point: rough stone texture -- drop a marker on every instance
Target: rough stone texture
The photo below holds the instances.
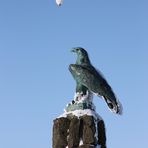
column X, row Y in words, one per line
column 74, row 135
column 102, row 134
column 89, row 130
column 70, row 130
column 60, row 132
column 86, row 146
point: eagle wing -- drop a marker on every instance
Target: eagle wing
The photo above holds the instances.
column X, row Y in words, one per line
column 88, row 76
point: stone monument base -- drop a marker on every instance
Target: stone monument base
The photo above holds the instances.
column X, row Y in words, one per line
column 83, row 131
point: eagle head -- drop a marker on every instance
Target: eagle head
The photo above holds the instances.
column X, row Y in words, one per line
column 82, row 55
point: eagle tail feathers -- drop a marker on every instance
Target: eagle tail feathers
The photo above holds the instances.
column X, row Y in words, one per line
column 115, row 107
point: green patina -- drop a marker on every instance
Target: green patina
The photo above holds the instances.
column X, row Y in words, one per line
column 89, row 79
column 79, row 106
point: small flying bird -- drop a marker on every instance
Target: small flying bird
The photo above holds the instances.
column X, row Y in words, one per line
column 89, row 79
column 59, row 2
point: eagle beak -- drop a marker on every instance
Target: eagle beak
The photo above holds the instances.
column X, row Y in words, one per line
column 73, row 50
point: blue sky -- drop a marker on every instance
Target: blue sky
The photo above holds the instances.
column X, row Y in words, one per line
column 35, row 85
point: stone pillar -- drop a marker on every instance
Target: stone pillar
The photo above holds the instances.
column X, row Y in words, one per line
column 79, row 132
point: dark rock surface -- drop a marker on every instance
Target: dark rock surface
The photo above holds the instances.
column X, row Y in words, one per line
column 89, row 130
column 71, row 130
column 102, row 134
column 86, row 146
column 60, row 133
column 74, row 135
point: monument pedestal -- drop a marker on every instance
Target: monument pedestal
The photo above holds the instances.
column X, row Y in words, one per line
column 85, row 131
column 79, row 126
